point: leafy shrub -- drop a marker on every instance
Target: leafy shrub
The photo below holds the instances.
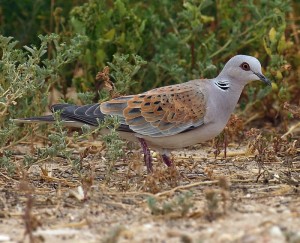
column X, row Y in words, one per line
column 26, row 76
column 146, row 45
column 180, row 41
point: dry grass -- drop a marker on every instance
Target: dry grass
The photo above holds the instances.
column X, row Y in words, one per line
column 201, row 199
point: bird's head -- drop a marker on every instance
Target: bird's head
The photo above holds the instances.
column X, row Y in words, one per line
column 243, row 69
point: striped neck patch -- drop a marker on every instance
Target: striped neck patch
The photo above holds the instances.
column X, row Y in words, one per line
column 223, row 85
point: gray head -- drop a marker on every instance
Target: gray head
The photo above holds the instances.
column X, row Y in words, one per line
column 242, row 69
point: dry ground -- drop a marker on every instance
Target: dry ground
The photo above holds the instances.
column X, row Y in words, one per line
column 202, row 199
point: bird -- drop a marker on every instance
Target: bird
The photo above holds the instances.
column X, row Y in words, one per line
column 170, row 117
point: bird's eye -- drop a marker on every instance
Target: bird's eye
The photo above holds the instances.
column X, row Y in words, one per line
column 245, row 66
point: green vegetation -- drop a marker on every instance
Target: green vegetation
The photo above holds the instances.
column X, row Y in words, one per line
column 145, row 45
column 180, row 204
column 83, row 185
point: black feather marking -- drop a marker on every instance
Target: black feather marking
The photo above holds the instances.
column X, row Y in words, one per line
column 137, row 102
column 159, row 108
column 224, row 85
column 134, row 111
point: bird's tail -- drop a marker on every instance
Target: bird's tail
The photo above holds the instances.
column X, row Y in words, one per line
column 37, row 119
column 48, row 119
column 71, row 115
column 75, row 116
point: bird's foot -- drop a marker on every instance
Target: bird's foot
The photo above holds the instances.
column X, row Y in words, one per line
column 147, row 155
column 167, row 160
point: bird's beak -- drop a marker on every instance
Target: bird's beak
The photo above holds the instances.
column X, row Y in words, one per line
column 263, row 78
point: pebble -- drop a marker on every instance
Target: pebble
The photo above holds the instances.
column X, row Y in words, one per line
column 4, row 238
column 276, row 234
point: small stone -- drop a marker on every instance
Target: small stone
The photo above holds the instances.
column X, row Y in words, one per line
column 210, row 231
column 276, row 234
column 4, row 238
column 272, row 210
column 276, row 231
column 34, row 170
column 225, row 238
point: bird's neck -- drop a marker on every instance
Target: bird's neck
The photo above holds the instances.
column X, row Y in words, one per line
column 226, row 83
column 229, row 94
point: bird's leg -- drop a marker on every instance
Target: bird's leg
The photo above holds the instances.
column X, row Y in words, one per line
column 147, row 155
column 166, row 160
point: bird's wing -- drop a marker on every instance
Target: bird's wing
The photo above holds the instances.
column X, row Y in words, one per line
column 161, row 112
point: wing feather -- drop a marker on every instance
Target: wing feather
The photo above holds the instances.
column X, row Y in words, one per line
column 161, row 112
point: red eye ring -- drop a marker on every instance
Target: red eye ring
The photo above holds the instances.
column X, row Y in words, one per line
column 245, row 66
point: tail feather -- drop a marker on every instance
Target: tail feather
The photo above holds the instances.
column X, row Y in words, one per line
column 48, row 118
column 74, row 116
column 87, row 114
column 71, row 115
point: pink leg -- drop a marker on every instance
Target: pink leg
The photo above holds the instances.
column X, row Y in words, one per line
column 167, row 160
column 147, row 155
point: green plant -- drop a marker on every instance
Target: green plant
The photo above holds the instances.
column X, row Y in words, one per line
column 217, row 199
column 24, row 20
column 177, row 39
column 26, row 76
column 181, row 204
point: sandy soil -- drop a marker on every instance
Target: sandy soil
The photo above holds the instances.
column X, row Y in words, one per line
column 201, row 199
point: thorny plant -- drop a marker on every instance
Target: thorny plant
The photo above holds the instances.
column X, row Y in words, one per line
column 270, row 150
column 286, row 150
column 217, row 199
column 161, row 176
column 31, row 221
column 259, row 144
column 232, row 130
